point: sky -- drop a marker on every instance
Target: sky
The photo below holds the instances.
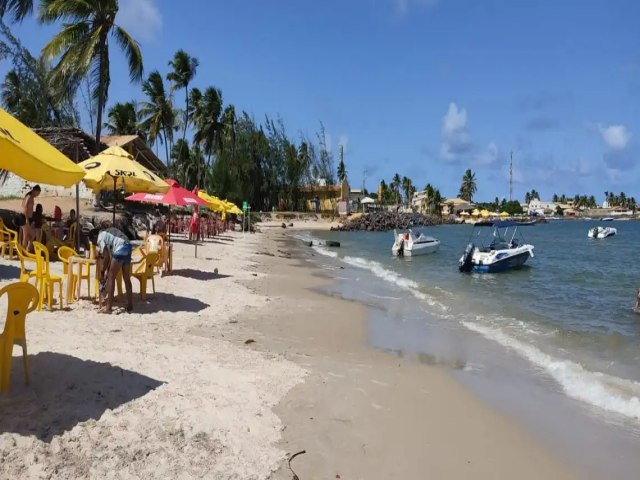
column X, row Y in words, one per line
column 424, row 88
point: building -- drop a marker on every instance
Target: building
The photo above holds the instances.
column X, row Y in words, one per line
column 538, row 207
column 418, row 200
column 453, row 206
column 326, row 198
column 355, row 197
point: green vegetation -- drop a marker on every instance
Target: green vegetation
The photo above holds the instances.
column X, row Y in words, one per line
column 468, row 187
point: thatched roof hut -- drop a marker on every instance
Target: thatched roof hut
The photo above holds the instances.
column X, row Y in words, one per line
column 66, row 139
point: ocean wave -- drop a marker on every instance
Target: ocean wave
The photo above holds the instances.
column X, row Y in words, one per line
column 392, row 277
column 598, row 389
column 325, row 252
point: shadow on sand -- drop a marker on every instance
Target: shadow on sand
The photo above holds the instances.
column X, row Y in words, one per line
column 9, row 272
column 167, row 302
column 65, row 391
column 197, row 274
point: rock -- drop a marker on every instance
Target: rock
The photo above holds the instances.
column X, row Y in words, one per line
column 284, row 225
column 388, row 220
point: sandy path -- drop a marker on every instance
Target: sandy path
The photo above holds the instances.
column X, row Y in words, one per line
column 156, row 394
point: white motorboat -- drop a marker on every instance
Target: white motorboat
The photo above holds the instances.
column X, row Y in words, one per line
column 410, row 244
column 503, row 252
column 601, row 232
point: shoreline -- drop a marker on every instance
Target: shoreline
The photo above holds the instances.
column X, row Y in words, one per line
column 363, row 413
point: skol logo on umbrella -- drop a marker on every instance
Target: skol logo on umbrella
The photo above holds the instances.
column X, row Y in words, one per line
column 123, row 173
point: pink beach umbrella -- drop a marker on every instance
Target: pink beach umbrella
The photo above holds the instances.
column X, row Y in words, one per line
column 176, row 195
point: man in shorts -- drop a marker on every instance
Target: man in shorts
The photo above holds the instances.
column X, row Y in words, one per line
column 114, row 248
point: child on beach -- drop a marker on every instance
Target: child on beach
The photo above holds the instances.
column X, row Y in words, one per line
column 114, row 248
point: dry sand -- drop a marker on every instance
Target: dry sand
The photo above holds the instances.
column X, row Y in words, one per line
column 156, row 394
column 173, row 391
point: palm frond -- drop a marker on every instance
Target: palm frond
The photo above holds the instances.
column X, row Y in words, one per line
column 17, row 9
column 132, row 52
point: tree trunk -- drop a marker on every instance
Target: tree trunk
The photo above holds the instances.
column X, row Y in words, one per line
column 186, row 119
column 102, row 89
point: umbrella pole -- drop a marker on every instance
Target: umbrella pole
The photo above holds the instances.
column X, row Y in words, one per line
column 76, row 241
column 114, row 201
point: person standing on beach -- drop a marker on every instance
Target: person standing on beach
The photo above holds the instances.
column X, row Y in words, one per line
column 114, row 248
column 27, row 212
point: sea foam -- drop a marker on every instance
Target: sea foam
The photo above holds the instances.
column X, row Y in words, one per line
column 390, row 276
column 598, row 389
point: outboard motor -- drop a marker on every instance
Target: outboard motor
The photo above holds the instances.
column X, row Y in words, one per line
column 401, row 246
column 467, row 259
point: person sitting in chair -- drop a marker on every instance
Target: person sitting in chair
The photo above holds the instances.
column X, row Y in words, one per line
column 114, row 248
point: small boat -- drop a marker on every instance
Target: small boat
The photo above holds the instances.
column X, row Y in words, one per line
column 526, row 223
column 607, row 219
column 601, row 232
column 408, row 244
column 501, row 251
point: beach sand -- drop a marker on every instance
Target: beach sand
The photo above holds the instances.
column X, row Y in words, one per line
column 174, row 390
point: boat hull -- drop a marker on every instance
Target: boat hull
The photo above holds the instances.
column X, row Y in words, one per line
column 418, row 249
column 602, row 233
column 508, row 263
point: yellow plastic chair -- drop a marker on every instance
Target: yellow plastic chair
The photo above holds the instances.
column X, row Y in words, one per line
column 25, row 259
column 145, row 272
column 22, row 299
column 44, row 280
column 64, row 253
column 155, row 243
column 8, row 241
column 71, row 238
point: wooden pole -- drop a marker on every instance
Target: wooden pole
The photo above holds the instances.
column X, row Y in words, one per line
column 77, row 239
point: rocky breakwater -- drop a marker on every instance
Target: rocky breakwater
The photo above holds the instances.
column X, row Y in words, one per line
column 386, row 221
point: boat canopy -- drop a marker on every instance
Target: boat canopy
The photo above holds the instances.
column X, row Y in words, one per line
column 497, row 224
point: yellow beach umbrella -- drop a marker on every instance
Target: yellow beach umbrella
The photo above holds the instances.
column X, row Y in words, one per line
column 114, row 169
column 504, row 214
column 213, row 202
column 29, row 156
column 235, row 210
column 475, row 212
column 485, row 213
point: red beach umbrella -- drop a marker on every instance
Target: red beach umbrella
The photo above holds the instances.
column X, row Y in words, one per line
column 176, row 195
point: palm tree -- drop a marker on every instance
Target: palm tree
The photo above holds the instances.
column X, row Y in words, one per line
column 122, row 119
column 342, row 171
column 407, row 188
column 157, row 115
column 468, row 187
column 19, row 9
column 396, row 182
column 184, row 69
column 206, row 110
column 82, row 46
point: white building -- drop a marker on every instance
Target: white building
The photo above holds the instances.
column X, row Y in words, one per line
column 539, row 207
column 453, row 206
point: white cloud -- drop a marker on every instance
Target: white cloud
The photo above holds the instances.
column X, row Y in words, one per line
column 489, row 157
column 141, row 18
column 616, row 137
column 456, row 140
column 402, row 6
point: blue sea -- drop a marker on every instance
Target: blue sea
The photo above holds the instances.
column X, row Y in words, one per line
column 559, row 334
